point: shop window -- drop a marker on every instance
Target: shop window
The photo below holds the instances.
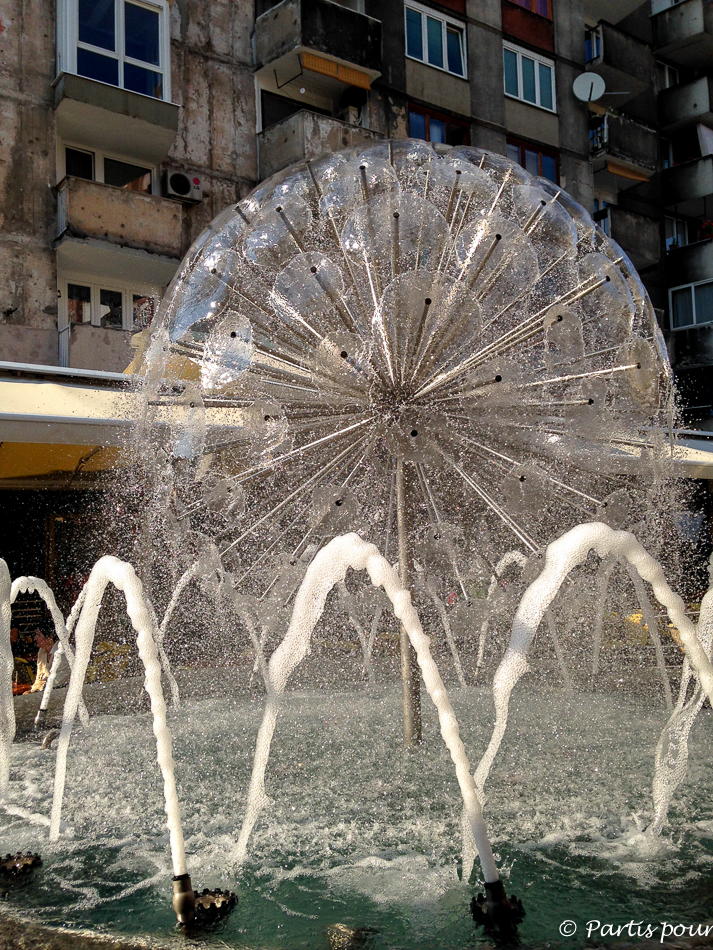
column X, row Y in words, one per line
column 96, row 166
column 122, row 43
column 435, row 127
column 537, row 161
column 529, row 77
column 540, row 7
column 435, row 39
column 691, row 305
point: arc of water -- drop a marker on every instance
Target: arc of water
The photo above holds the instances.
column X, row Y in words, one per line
column 511, row 557
column 350, row 607
column 672, row 748
column 561, row 557
column 329, row 567
column 122, row 575
column 443, row 614
column 22, row 585
column 651, row 621
column 7, row 706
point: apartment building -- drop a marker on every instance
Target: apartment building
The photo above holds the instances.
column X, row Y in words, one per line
column 127, row 125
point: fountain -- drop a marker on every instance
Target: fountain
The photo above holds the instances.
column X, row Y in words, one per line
column 421, row 363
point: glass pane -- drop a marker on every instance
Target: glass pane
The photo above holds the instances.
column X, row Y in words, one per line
column 438, row 131
column 96, row 23
column 417, row 125
column 144, row 308
column 549, row 168
column 141, row 33
column 513, row 152
column 542, row 7
column 434, row 34
column 704, row 303
column 110, row 309
column 528, row 79
column 546, row 98
column 682, row 308
column 79, row 164
column 532, row 161
column 145, row 81
column 95, row 66
column 454, row 45
column 123, row 175
column 414, row 37
column 510, row 65
column 79, row 303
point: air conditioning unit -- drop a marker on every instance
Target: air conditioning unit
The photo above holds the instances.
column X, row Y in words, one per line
column 182, row 186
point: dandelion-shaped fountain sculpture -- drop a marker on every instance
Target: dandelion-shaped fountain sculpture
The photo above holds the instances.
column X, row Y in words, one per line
column 420, row 342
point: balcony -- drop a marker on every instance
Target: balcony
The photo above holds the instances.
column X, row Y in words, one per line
column 624, row 63
column 623, row 152
column 638, row 235
column 690, row 264
column 685, row 105
column 306, row 135
column 114, row 120
column 688, row 185
column 684, row 33
column 342, row 35
column 91, row 209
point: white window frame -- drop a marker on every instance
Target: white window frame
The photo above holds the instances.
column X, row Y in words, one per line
column 96, row 284
column 688, row 326
column 99, row 157
column 676, row 224
column 445, row 21
column 68, row 42
column 520, row 51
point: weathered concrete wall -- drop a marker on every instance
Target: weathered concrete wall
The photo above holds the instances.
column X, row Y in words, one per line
column 98, row 348
column 28, row 288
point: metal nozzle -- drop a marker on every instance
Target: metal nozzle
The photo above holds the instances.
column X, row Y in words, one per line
column 40, row 718
column 184, row 900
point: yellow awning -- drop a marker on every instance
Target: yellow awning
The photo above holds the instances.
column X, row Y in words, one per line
column 352, row 77
column 623, row 172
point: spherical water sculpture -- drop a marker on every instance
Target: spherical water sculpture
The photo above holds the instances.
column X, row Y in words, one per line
column 415, row 341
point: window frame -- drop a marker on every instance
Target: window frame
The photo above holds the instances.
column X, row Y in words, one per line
column 692, row 286
column 96, row 285
column 521, row 51
column 540, row 149
column 445, row 21
column 441, row 117
column 98, row 161
column 677, row 222
column 68, row 43
column 531, row 4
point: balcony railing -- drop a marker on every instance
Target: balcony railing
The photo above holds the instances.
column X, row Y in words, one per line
column 687, row 104
column 619, row 140
column 343, row 34
column 683, row 33
column 90, row 209
column 625, row 63
column 638, row 235
column 688, row 183
column 690, row 264
column 306, row 135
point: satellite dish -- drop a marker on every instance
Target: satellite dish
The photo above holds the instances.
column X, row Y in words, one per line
column 589, row 87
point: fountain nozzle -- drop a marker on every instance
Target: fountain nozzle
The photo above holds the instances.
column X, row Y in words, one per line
column 196, row 911
column 495, row 912
column 184, row 900
column 40, row 718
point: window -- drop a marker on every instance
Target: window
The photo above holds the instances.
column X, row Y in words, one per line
column 529, row 77
column 593, row 44
column 435, row 39
column 601, row 215
column 119, row 42
column 540, row 7
column 536, row 160
column 108, row 306
column 435, row 127
column 667, row 75
column 691, row 305
column 95, row 166
column 597, row 133
column 676, row 233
